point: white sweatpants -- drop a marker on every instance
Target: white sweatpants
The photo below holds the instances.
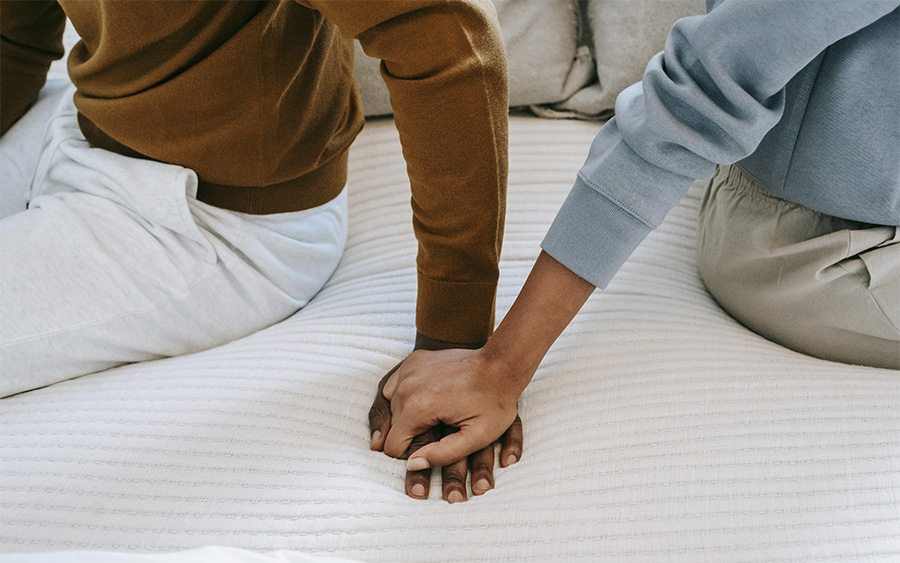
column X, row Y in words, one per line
column 114, row 261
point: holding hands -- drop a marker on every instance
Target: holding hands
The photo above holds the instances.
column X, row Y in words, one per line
column 459, row 388
column 439, row 406
column 447, row 409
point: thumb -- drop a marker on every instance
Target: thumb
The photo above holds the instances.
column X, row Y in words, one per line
column 448, row 450
column 390, row 383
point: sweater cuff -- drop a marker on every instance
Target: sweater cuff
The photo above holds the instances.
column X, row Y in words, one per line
column 592, row 236
column 461, row 312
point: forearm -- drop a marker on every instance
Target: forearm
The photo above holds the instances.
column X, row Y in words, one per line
column 445, row 67
column 709, row 98
column 549, row 300
column 454, row 132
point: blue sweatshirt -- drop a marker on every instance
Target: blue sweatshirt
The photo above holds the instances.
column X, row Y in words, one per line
column 804, row 95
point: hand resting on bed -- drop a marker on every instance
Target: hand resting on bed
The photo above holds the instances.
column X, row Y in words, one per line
column 475, row 392
column 453, row 475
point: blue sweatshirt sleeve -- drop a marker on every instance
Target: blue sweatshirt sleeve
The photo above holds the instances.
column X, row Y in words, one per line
column 709, row 98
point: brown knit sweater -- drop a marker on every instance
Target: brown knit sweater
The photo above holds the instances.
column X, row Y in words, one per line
column 258, row 99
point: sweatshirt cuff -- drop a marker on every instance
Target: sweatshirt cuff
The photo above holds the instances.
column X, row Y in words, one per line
column 592, row 236
column 461, row 312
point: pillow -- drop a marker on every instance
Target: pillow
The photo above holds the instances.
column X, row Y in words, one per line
column 625, row 35
column 546, row 64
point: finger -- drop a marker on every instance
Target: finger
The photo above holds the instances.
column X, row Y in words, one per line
column 388, row 383
column 453, row 481
column 430, row 436
column 406, row 425
column 453, row 476
column 511, row 444
column 448, row 451
column 380, row 416
column 418, row 483
column 482, row 465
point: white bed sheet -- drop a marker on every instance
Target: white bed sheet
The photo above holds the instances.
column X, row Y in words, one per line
column 657, row 427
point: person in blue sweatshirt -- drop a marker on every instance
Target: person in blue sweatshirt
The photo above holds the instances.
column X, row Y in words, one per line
column 793, row 109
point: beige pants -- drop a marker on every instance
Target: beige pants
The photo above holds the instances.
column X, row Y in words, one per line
column 820, row 285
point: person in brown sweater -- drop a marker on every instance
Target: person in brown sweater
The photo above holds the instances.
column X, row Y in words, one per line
column 258, row 101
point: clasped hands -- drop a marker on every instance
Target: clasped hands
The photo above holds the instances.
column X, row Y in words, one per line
column 446, row 409
column 438, row 407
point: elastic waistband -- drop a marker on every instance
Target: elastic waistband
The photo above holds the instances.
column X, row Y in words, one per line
column 312, row 189
column 734, row 176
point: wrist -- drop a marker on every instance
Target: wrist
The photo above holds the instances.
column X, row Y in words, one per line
column 550, row 298
column 513, row 367
column 425, row 343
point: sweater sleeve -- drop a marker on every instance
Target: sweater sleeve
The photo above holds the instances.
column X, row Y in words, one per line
column 445, row 67
column 709, row 98
column 30, row 39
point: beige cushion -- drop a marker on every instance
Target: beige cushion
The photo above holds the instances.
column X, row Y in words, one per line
column 542, row 43
column 626, row 34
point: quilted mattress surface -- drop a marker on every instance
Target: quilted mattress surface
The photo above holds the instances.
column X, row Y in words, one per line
column 657, row 428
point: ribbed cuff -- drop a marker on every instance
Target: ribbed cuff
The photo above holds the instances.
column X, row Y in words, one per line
column 461, row 312
column 592, row 236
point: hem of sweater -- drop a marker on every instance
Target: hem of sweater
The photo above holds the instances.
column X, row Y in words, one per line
column 460, row 312
column 316, row 187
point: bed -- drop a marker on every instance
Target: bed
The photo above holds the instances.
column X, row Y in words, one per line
column 656, row 429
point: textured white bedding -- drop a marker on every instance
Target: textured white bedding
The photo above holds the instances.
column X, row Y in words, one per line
column 656, row 429
column 211, row 554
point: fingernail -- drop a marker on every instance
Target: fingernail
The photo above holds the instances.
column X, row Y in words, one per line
column 416, row 464
column 455, row 496
column 418, row 490
column 511, row 459
column 481, row 487
column 376, row 436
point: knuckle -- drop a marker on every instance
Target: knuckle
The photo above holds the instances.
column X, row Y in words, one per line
column 419, row 442
column 414, row 402
column 482, row 461
column 482, row 466
column 377, row 414
column 376, row 405
column 513, row 444
column 392, row 449
column 452, row 477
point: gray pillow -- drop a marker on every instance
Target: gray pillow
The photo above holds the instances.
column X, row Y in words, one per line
column 626, row 34
column 542, row 44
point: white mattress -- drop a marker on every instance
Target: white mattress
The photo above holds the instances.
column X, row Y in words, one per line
column 657, row 427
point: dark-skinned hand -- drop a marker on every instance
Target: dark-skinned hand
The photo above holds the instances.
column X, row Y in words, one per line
column 453, row 476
